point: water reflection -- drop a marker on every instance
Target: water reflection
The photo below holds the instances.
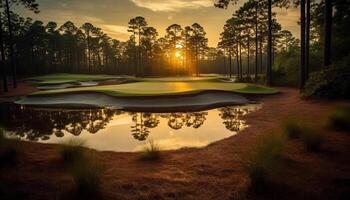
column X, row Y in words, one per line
column 49, row 125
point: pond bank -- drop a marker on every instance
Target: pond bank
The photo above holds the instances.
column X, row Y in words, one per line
column 213, row 172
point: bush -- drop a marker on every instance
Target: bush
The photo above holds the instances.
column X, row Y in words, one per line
column 9, row 149
column 151, row 151
column 340, row 118
column 333, row 82
column 312, row 139
column 260, row 161
column 293, row 128
column 87, row 177
column 72, row 151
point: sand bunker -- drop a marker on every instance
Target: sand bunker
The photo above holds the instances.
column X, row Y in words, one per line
column 163, row 103
column 68, row 85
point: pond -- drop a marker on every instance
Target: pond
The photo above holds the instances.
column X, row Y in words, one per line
column 122, row 131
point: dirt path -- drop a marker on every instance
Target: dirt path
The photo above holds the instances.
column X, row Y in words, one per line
column 212, row 172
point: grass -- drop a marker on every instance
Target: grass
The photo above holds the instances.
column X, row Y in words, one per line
column 85, row 171
column 312, row 139
column 340, row 118
column 179, row 79
column 293, row 128
column 9, row 150
column 165, row 88
column 151, row 151
column 72, row 151
column 260, row 161
column 87, row 177
column 69, row 78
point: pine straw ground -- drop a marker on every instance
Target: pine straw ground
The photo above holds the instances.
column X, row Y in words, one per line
column 213, row 172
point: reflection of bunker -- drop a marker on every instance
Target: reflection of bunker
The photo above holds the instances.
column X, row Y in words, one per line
column 190, row 102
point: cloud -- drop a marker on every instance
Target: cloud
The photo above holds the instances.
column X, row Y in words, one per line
column 288, row 19
column 172, row 5
column 115, row 31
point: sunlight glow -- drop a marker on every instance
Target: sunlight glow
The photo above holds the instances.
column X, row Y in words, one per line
column 179, row 46
column 178, row 54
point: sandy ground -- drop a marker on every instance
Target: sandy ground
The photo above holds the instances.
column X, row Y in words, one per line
column 213, row 172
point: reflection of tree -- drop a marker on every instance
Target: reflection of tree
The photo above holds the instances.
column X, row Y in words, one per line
column 178, row 120
column 232, row 116
column 142, row 122
column 40, row 124
column 34, row 124
column 195, row 119
column 138, row 129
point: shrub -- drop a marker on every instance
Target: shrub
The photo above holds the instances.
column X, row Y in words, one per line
column 10, row 149
column 333, row 82
column 293, row 128
column 151, row 151
column 87, row 177
column 340, row 118
column 72, row 151
column 260, row 161
column 312, row 139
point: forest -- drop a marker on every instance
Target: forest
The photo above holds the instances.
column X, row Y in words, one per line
column 39, row 48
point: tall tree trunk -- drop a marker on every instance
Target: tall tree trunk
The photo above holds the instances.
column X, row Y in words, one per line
column 328, row 33
column 89, row 52
column 237, row 63
column 307, row 44
column 269, row 46
column 224, row 63
column 302, row 45
column 261, row 53
column 12, row 56
column 139, row 53
column 230, row 61
column 256, row 43
column 3, row 63
column 240, row 62
column 248, row 61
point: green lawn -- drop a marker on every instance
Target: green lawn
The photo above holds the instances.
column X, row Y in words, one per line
column 70, row 78
column 179, row 79
column 165, row 88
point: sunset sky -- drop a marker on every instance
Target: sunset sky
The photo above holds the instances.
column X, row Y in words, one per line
column 113, row 15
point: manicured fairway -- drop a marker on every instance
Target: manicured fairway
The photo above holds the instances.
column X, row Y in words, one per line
column 70, row 78
column 166, row 88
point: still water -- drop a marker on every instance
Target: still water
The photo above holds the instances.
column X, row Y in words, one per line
column 117, row 130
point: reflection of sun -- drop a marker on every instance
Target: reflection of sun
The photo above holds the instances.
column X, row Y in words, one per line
column 178, row 54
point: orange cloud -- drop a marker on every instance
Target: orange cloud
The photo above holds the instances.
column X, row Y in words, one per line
column 172, row 5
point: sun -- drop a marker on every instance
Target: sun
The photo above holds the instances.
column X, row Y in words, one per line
column 178, row 54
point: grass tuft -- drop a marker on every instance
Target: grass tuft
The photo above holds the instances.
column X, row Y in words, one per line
column 151, row 151
column 72, row 151
column 293, row 128
column 260, row 161
column 85, row 171
column 340, row 118
column 87, row 177
column 9, row 150
column 312, row 139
